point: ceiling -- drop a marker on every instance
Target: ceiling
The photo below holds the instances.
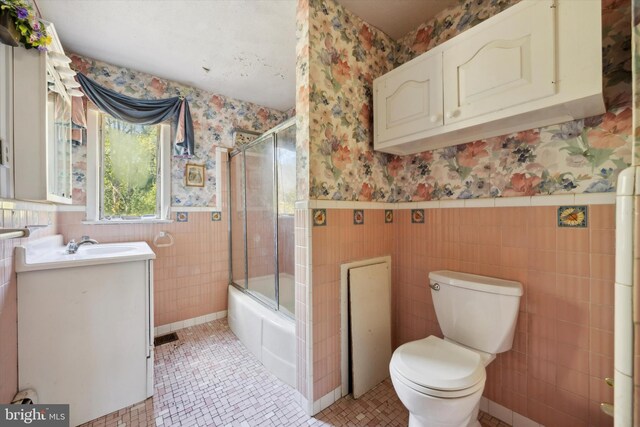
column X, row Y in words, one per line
column 396, row 17
column 247, row 46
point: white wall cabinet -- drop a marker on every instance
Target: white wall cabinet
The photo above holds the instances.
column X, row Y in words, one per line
column 42, row 128
column 411, row 101
column 521, row 69
column 510, row 62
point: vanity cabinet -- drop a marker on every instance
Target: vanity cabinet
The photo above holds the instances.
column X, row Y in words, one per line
column 42, row 129
column 520, row 69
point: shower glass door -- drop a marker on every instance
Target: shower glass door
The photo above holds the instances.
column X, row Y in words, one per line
column 286, row 174
column 261, row 224
column 238, row 265
column 262, row 183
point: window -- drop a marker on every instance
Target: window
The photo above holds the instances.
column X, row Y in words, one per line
column 128, row 170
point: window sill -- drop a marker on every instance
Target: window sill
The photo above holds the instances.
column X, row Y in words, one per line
column 127, row 221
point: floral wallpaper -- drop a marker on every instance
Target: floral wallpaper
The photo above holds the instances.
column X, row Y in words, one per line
column 302, row 99
column 215, row 119
column 346, row 54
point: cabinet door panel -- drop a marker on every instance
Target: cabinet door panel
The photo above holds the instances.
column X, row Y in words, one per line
column 507, row 64
column 409, row 100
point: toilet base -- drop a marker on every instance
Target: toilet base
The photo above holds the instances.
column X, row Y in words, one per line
column 471, row 421
column 415, row 421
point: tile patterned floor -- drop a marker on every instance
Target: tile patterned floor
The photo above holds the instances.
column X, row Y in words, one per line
column 208, row 378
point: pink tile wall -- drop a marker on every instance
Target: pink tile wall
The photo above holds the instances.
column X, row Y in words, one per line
column 563, row 346
column 190, row 277
column 339, row 242
column 8, row 294
column 302, row 224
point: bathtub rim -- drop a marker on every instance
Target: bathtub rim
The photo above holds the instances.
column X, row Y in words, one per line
column 284, row 314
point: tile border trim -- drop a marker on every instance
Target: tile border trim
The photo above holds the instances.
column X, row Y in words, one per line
column 181, row 324
column 550, row 200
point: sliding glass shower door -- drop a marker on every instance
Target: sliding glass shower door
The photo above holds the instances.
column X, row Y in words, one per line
column 261, row 224
column 262, row 197
column 238, row 248
column 286, row 174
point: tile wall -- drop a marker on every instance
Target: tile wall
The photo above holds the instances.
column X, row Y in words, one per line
column 563, row 346
column 16, row 217
column 336, row 243
column 303, row 300
column 190, row 277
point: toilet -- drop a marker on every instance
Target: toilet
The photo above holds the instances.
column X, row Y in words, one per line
column 440, row 381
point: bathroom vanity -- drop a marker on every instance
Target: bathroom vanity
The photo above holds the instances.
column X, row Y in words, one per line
column 85, row 325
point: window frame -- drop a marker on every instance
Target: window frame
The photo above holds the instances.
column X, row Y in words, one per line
column 94, row 174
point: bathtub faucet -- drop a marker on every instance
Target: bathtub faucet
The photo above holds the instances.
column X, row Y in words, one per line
column 72, row 247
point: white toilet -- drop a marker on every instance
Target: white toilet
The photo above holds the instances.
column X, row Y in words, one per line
column 440, row 381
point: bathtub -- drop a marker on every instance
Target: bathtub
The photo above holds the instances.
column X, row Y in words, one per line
column 269, row 335
column 263, row 289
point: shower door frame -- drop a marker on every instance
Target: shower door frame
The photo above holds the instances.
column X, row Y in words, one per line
column 273, row 134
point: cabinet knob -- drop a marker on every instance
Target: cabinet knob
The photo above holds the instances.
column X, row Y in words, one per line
column 435, row 118
column 452, row 114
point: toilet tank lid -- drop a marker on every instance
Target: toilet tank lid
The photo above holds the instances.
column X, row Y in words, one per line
column 476, row 282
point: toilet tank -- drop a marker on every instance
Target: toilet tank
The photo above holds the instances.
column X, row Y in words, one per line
column 476, row 311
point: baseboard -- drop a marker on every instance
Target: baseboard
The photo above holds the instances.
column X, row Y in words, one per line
column 181, row 324
column 505, row 414
column 327, row 400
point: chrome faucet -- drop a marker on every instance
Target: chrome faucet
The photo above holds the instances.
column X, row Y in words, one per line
column 72, row 247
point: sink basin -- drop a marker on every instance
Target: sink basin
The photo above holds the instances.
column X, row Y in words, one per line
column 51, row 253
column 96, row 250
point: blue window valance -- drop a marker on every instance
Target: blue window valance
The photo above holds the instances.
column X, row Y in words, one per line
column 144, row 112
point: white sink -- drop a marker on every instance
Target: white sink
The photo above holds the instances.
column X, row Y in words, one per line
column 51, row 253
column 105, row 249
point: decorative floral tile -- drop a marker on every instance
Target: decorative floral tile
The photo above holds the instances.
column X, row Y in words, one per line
column 319, row 217
column 572, row 216
column 182, row 216
column 358, row 217
column 417, row 216
column 216, row 216
column 388, row 216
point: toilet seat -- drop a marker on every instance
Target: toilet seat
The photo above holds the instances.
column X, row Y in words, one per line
column 438, row 368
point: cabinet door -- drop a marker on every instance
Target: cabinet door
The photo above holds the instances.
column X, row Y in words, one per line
column 409, row 99
column 508, row 63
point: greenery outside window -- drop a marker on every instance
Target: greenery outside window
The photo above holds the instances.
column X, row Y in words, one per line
column 128, row 170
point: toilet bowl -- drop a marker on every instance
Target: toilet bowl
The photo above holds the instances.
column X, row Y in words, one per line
column 440, row 381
